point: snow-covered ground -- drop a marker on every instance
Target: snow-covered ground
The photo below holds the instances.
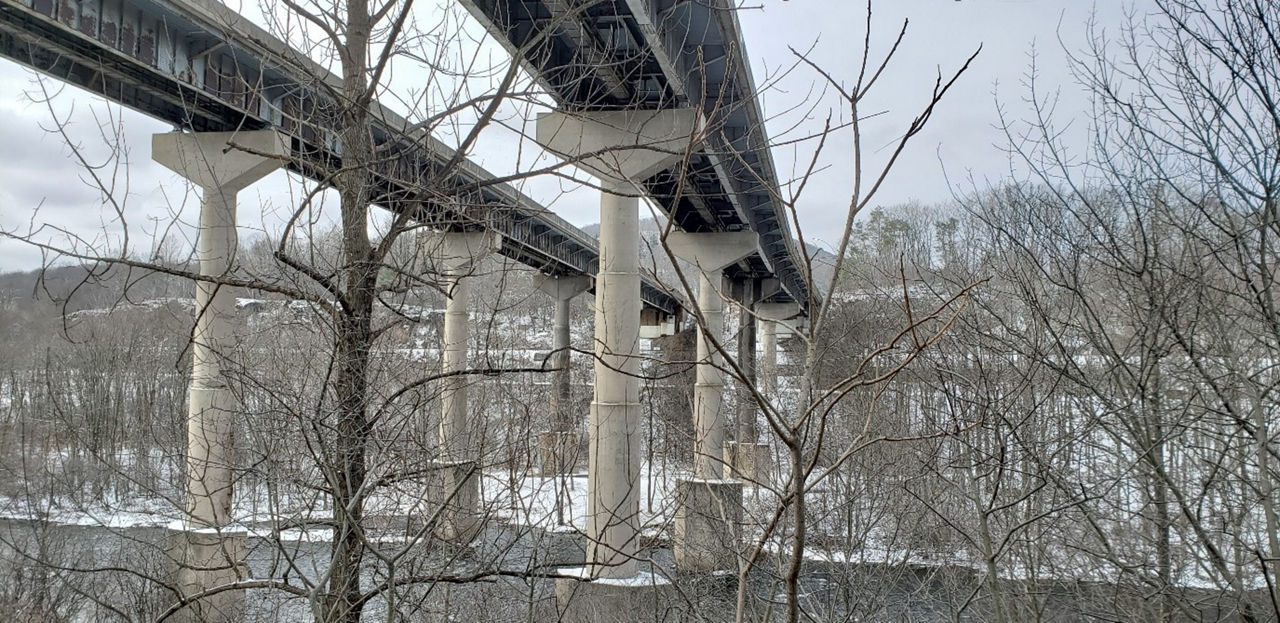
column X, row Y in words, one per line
column 555, row 505
column 522, row 500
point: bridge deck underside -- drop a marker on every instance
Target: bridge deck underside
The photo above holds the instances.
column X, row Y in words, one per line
column 653, row 54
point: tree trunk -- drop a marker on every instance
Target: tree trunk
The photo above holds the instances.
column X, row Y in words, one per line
column 355, row 336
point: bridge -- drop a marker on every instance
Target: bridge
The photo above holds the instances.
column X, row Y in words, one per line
column 672, row 75
column 200, row 66
column 664, row 54
column 653, row 98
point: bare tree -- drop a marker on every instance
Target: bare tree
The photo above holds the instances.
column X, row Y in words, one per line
column 819, row 424
column 329, row 382
column 1143, row 270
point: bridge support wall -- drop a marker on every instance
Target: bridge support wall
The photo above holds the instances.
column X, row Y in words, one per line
column 208, row 549
column 621, row 148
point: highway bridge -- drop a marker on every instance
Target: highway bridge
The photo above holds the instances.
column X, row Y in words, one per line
column 672, row 75
column 202, row 67
column 600, row 55
column 624, row 74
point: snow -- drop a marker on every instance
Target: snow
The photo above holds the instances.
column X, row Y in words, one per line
column 643, row 578
column 141, row 513
column 182, row 525
column 715, row 481
column 302, row 535
column 532, row 502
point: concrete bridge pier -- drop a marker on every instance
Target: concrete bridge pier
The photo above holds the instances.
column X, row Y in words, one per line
column 655, row 324
column 453, row 487
column 621, row 148
column 207, row 548
column 558, row 446
column 769, row 316
column 768, row 372
column 708, row 522
column 746, row 457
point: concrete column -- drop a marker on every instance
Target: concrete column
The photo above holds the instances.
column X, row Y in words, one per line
column 454, row 339
column 770, row 314
column 208, row 552
column 453, row 256
column 711, row 253
column 454, row 484
column 708, row 387
column 221, row 171
column 746, row 457
column 708, row 522
column 626, row 147
column 558, row 446
column 613, row 479
column 746, row 418
column 561, row 381
column 768, row 373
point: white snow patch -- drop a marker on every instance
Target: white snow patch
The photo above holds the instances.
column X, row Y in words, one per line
column 643, row 578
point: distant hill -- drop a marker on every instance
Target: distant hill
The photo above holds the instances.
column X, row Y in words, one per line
column 85, row 287
column 824, row 265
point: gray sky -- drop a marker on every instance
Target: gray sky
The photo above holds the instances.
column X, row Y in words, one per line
column 42, row 185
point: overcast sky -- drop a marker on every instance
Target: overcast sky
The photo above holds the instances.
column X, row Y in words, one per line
column 42, row 184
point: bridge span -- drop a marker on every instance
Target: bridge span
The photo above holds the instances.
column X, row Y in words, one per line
column 202, row 67
column 603, row 55
column 653, row 98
